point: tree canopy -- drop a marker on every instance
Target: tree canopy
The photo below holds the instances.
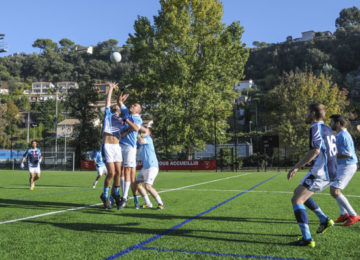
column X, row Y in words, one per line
column 186, row 65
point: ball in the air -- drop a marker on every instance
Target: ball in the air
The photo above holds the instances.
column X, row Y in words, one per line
column 115, row 56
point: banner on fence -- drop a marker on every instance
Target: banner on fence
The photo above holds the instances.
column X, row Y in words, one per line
column 167, row 165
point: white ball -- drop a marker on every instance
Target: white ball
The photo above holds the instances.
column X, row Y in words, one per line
column 115, row 56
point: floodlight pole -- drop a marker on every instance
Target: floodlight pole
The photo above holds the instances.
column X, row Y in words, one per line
column 56, row 122
column 28, row 127
column 215, row 138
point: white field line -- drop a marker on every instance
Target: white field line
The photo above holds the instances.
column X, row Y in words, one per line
column 264, row 191
column 85, row 207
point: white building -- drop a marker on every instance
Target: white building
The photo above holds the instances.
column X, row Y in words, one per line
column 67, row 127
column 243, row 85
column 42, row 91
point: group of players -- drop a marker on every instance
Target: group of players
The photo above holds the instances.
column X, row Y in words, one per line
column 123, row 133
column 334, row 164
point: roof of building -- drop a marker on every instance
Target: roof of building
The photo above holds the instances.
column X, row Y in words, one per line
column 70, row 121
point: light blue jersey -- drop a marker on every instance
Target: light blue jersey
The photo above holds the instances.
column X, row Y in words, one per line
column 147, row 153
column 33, row 157
column 113, row 124
column 99, row 161
column 131, row 137
column 345, row 146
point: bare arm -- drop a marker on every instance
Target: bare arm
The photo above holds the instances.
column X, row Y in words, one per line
column 309, row 156
column 132, row 125
column 122, row 98
column 141, row 139
column 112, row 85
column 342, row 156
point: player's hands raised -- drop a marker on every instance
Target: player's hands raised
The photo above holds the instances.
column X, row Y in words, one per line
column 113, row 85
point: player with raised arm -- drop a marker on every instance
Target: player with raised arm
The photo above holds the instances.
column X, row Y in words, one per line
column 113, row 125
column 34, row 158
column 347, row 166
column 100, row 166
column 149, row 170
column 323, row 155
column 128, row 148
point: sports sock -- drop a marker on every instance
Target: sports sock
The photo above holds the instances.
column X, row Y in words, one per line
column 105, row 193
column 147, row 200
column 136, row 200
column 117, row 190
column 31, row 184
column 95, row 182
column 158, row 200
column 126, row 189
column 302, row 219
column 311, row 204
column 342, row 200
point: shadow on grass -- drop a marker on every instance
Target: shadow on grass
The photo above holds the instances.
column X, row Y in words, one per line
column 164, row 216
column 128, row 228
column 31, row 204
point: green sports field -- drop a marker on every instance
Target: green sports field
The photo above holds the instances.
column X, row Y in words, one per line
column 208, row 215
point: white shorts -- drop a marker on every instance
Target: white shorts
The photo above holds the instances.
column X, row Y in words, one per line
column 344, row 174
column 34, row 170
column 129, row 155
column 112, row 153
column 147, row 175
column 101, row 170
column 315, row 183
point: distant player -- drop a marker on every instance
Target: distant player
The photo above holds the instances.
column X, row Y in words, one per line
column 113, row 125
column 128, row 148
column 149, row 170
column 34, row 158
column 100, row 166
column 323, row 153
column 347, row 166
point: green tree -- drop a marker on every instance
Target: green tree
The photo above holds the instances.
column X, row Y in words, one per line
column 348, row 17
column 80, row 101
column 186, row 66
column 287, row 103
column 46, row 45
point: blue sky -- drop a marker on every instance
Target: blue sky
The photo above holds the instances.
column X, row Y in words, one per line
column 88, row 22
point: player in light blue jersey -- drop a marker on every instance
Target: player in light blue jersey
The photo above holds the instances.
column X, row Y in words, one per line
column 323, row 171
column 149, row 170
column 34, row 158
column 113, row 126
column 347, row 166
column 128, row 148
column 100, row 166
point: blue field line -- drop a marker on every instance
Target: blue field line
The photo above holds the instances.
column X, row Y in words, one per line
column 218, row 254
column 138, row 246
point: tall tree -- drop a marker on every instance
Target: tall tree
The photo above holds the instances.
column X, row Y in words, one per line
column 287, row 103
column 80, row 101
column 186, row 66
column 348, row 17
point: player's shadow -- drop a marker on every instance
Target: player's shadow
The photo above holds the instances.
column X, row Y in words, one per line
column 142, row 215
column 31, row 204
column 126, row 228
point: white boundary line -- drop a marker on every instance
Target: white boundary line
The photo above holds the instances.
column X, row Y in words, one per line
column 265, row 191
column 80, row 208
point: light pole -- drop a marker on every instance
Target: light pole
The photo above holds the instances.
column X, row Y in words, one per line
column 34, row 127
column 250, row 122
